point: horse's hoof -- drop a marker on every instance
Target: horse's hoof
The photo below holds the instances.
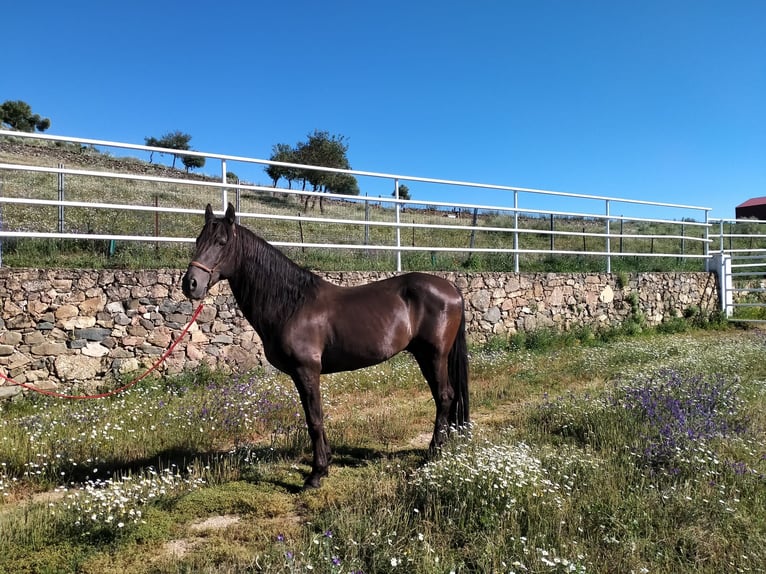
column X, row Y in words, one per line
column 314, row 480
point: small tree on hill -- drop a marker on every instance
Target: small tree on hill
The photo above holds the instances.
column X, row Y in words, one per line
column 325, row 150
column 286, row 154
column 193, row 162
column 17, row 115
column 404, row 192
column 171, row 140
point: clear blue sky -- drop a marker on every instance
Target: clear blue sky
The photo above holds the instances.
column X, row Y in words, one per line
column 661, row 100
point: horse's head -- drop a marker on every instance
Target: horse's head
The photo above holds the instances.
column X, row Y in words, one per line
column 213, row 257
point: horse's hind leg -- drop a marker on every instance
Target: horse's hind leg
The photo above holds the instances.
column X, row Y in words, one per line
column 433, row 365
column 307, row 382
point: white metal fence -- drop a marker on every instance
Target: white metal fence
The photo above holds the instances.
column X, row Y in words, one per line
column 740, row 256
column 59, row 202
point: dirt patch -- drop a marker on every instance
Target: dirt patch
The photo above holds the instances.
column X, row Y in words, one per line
column 214, row 523
column 180, row 548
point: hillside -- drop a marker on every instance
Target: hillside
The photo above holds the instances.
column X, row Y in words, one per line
column 293, row 221
column 82, row 157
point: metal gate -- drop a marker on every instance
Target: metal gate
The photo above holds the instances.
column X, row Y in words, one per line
column 743, row 285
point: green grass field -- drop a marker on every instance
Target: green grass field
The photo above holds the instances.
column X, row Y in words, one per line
column 640, row 454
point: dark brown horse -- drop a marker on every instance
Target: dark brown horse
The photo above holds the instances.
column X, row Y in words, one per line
column 309, row 326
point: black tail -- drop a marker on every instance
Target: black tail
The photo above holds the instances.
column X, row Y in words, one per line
column 458, row 376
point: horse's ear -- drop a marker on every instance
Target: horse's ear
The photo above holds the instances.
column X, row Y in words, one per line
column 209, row 213
column 230, row 214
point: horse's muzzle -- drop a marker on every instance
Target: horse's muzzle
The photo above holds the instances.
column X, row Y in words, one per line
column 194, row 283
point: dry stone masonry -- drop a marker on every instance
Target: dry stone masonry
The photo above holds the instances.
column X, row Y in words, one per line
column 65, row 327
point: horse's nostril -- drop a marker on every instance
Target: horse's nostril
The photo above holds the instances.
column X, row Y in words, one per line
column 193, row 284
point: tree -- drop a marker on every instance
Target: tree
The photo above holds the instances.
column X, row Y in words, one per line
column 193, row 162
column 343, row 183
column 323, row 149
column 286, row 154
column 404, row 192
column 17, row 115
column 171, row 140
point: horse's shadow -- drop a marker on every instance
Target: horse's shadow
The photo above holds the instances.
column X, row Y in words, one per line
column 343, row 456
column 179, row 460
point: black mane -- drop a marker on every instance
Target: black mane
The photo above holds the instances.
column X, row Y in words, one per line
column 269, row 286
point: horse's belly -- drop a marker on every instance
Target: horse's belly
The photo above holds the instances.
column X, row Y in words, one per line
column 334, row 362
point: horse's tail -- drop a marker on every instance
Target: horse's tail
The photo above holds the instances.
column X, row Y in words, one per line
column 458, row 376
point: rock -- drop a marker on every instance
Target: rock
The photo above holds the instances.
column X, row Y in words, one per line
column 34, row 338
column 123, row 366
column 78, row 323
column 66, row 311
column 9, row 391
column 492, row 316
column 481, row 299
column 77, row 367
column 115, row 307
column 49, row 349
column 607, row 295
column 93, row 305
column 92, row 334
column 95, row 350
column 10, row 338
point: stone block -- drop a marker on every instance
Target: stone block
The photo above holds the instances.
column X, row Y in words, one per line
column 49, row 349
column 77, row 367
column 92, row 333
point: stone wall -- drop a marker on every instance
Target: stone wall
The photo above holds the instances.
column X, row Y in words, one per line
column 61, row 327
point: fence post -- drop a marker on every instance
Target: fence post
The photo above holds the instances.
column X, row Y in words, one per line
column 366, row 219
column 398, row 229
column 683, row 242
column 224, row 191
column 608, row 242
column 622, row 227
column 1, row 225
column 515, row 231
column 474, row 221
column 722, row 267
column 61, row 198
column 238, row 201
column 553, row 241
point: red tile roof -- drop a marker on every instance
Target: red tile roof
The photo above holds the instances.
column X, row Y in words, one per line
column 753, row 202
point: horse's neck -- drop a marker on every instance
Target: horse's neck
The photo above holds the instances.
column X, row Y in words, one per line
column 269, row 287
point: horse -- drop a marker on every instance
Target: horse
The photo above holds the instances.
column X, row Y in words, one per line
column 309, row 326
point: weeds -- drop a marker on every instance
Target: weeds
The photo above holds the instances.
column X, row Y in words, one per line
column 649, row 459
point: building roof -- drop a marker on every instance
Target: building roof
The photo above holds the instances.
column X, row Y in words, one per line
column 753, row 201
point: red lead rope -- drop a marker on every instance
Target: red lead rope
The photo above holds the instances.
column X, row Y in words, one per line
column 164, row 356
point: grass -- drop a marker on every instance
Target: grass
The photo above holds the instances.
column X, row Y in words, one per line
column 619, row 454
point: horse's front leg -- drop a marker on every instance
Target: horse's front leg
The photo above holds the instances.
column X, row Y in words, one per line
column 307, row 381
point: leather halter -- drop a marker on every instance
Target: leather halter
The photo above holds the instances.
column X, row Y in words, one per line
column 203, row 267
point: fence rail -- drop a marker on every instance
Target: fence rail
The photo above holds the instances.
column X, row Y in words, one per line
column 58, row 202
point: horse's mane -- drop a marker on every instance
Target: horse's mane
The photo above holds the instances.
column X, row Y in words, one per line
column 268, row 286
